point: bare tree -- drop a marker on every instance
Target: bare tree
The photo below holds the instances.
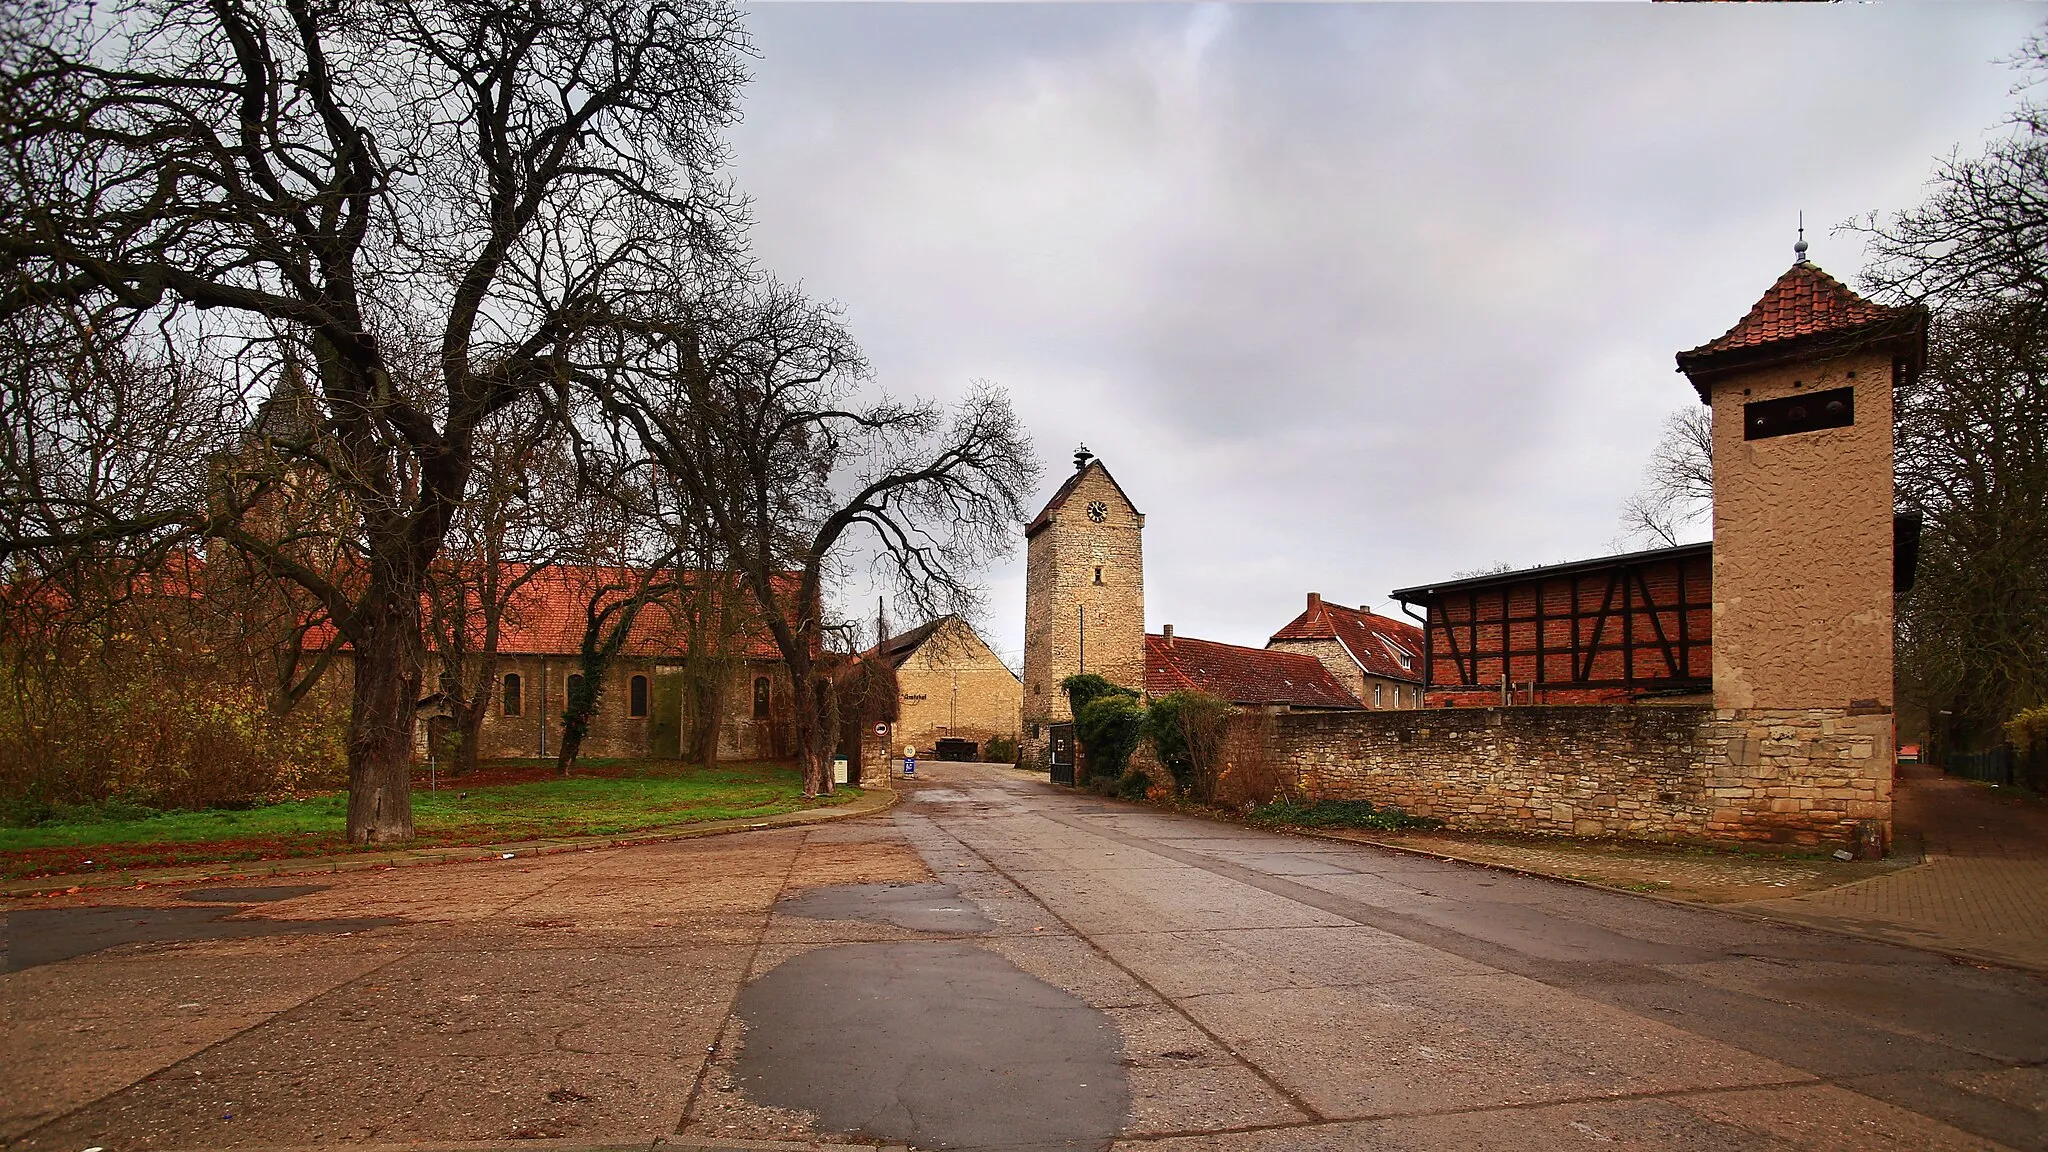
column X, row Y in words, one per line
column 521, row 519
column 1678, row 483
column 1973, row 426
column 755, row 418
column 426, row 206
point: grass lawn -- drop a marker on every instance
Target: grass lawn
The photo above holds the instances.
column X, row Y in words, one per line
column 504, row 801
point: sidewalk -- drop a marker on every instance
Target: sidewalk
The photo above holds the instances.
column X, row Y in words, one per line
column 874, row 798
column 1982, row 893
column 1968, row 875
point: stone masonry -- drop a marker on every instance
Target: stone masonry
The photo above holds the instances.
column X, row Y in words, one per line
column 1680, row 772
column 1084, row 595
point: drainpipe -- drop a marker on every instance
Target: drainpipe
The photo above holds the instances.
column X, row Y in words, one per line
column 543, row 707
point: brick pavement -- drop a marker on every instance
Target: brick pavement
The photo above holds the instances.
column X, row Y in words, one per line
column 1983, row 891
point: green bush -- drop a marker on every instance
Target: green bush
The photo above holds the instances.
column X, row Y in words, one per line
column 1169, row 723
column 1337, row 814
column 1133, row 785
column 1110, row 727
column 999, row 750
column 1086, row 687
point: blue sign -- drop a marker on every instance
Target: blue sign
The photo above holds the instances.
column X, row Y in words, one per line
column 910, row 765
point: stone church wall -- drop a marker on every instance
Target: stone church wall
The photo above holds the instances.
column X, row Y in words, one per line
column 1685, row 773
column 614, row 730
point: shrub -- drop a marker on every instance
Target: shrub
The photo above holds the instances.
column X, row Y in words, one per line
column 1000, row 750
column 1110, row 727
column 1086, row 687
column 1133, row 785
column 1337, row 814
column 1183, row 727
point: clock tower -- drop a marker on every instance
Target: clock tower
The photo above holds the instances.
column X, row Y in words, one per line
column 1084, row 593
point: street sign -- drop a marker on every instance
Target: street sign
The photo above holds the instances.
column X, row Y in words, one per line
column 881, row 729
column 909, row 760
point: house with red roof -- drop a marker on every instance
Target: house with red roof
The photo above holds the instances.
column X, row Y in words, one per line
column 695, row 663
column 1376, row 658
column 1247, row 677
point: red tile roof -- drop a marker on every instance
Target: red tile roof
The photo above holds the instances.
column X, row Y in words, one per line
column 1805, row 304
column 1378, row 643
column 1241, row 675
column 546, row 616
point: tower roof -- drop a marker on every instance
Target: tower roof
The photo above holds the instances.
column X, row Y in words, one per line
column 1807, row 311
column 1059, row 498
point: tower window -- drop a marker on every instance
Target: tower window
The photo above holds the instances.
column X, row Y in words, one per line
column 637, row 693
column 760, row 697
column 511, row 701
column 1098, row 573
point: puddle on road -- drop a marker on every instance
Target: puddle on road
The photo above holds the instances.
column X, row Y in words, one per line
column 36, row 936
column 931, row 907
column 940, row 1044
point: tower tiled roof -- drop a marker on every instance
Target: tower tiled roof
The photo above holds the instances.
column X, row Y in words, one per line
column 1804, row 307
column 1241, row 675
column 1381, row 645
column 1059, row 498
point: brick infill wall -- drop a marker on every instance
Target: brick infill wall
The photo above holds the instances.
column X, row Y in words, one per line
column 1660, row 773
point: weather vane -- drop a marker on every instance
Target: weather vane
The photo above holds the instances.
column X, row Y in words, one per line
column 1799, row 247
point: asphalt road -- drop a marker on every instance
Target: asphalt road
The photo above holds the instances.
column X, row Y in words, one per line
column 1273, row 991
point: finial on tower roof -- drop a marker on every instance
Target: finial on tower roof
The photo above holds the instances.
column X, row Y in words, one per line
column 1081, row 457
column 1799, row 247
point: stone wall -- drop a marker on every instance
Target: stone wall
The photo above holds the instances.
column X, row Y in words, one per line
column 614, row 730
column 1804, row 777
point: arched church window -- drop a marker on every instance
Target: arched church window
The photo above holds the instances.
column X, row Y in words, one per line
column 513, row 704
column 575, row 689
column 637, row 693
column 760, row 697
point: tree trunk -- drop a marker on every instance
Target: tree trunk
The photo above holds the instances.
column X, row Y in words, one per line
column 810, row 744
column 386, row 695
column 472, row 736
column 572, row 745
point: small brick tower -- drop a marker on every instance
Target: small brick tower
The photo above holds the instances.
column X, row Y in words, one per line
column 1801, row 391
column 1084, row 593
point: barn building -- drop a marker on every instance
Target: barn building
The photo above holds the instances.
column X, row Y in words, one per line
column 1616, row 630
column 954, row 694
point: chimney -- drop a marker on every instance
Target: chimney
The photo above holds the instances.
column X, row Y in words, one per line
column 1167, row 632
column 1315, row 601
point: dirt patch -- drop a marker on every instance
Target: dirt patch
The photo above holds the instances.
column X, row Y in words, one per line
column 857, row 855
column 1697, row 874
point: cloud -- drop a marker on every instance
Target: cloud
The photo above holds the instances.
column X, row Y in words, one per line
column 1349, row 297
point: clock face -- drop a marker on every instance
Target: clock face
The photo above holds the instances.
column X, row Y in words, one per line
column 1097, row 511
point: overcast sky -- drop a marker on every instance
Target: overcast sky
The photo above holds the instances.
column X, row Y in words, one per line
column 1348, row 298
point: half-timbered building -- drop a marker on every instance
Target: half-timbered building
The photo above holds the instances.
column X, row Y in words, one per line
column 1618, row 629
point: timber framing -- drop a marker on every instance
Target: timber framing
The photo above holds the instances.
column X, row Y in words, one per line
column 1619, row 627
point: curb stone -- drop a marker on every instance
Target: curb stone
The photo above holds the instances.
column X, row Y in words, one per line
column 878, row 798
